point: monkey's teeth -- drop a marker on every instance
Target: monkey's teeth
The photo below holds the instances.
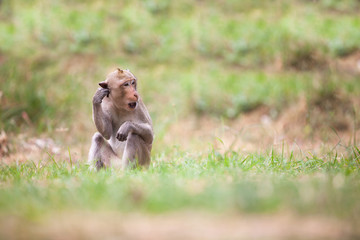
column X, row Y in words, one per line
column 132, row 105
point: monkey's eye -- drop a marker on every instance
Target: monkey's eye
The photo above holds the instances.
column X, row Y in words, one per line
column 126, row 84
column 133, row 82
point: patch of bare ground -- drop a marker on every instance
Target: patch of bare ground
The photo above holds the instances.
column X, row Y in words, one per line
column 40, row 149
column 317, row 125
column 4, row 149
column 184, row 225
column 349, row 63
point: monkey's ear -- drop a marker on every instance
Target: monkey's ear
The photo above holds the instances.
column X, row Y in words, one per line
column 121, row 71
column 103, row 84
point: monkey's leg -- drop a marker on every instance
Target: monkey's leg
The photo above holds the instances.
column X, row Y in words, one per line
column 136, row 152
column 101, row 154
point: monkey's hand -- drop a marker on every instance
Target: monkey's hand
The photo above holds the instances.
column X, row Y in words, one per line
column 124, row 130
column 100, row 94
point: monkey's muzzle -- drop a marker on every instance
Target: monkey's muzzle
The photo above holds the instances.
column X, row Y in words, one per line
column 132, row 105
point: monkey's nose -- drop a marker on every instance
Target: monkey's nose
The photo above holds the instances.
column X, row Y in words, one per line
column 136, row 96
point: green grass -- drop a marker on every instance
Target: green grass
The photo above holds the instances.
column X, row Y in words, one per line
column 204, row 58
column 267, row 183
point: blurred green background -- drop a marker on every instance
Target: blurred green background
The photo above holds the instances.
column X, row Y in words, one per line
column 217, row 59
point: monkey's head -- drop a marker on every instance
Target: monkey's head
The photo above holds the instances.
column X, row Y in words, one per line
column 122, row 85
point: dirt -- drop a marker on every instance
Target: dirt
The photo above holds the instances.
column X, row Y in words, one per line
column 314, row 127
column 301, row 127
column 184, row 225
column 349, row 63
column 4, row 150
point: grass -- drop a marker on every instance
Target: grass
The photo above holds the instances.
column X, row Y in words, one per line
column 213, row 182
column 247, row 54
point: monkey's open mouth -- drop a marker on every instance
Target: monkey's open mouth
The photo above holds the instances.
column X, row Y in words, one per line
column 132, row 105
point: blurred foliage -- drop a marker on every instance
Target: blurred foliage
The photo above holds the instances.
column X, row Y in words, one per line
column 203, row 57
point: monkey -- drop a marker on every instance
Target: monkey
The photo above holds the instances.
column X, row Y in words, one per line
column 125, row 132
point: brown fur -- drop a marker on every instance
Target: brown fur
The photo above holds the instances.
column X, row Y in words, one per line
column 125, row 133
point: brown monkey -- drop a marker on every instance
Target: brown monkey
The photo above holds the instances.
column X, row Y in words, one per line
column 125, row 128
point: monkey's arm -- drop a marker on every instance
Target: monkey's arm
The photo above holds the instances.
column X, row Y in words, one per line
column 101, row 119
column 143, row 130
